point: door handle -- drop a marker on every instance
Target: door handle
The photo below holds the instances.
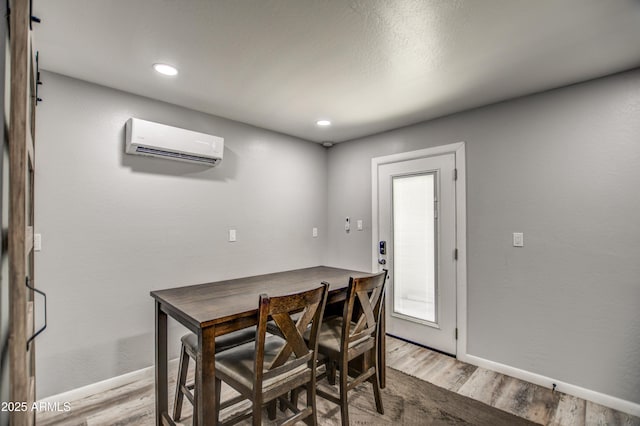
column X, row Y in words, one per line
column 45, row 313
column 382, row 261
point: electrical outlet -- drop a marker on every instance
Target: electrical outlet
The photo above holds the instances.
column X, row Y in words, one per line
column 518, row 239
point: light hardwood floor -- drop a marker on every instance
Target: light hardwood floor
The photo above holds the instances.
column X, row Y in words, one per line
column 133, row 403
column 518, row 397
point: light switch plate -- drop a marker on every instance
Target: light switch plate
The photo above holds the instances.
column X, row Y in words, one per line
column 37, row 242
column 232, row 235
column 314, row 232
column 359, row 224
column 518, row 239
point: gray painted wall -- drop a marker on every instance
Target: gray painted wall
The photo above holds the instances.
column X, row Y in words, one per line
column 564, row 168
column 115, row 226
column 561, row 166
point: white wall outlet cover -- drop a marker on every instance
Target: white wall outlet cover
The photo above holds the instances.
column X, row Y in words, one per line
column 314, row 232
column 518, row 239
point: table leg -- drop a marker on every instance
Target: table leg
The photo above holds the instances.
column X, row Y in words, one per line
column 205, row 377
column 162, row 395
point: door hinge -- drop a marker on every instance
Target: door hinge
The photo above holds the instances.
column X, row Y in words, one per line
column 456, row 333
column 455, row 254
column 455, row 174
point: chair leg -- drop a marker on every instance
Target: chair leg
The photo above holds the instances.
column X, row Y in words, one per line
column 257, row 410
column 331, row 372
column 294, row 396
column 344, row 381
column 376, row 393
column 375, row 380
column 311, row 402
column 283, row 407
column 217, row 397
column 195, row 398
column 271, row 409
column 180, row 382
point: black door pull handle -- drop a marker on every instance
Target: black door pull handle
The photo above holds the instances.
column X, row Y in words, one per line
column 45, row 313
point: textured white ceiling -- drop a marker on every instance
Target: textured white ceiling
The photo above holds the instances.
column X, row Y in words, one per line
column 366, row 65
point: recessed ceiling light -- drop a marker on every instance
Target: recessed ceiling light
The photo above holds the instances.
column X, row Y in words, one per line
column 323, row 123
column 165, row 69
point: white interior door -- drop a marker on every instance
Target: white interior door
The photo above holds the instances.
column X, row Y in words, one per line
column 417, row 233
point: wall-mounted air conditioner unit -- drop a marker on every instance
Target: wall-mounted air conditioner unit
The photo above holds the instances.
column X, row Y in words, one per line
column 158, row 140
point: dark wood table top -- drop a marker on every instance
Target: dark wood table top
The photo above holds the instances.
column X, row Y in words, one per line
column 203, row 305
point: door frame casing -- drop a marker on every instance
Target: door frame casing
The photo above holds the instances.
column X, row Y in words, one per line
column 458, row 149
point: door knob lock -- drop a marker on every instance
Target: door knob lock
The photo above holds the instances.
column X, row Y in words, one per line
column 382, row 247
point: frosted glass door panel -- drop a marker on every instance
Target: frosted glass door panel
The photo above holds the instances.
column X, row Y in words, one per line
column 414, row 245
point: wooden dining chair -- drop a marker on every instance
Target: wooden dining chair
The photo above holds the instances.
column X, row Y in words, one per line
column 188, row 351
column 266, row 370
column 356, row 333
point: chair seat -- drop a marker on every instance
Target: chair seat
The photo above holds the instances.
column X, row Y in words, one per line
column 190, row 350
column 330, row 335
column 238, row 363
column 224, row 342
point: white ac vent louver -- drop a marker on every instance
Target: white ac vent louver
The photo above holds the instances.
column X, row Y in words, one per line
column 159, row 140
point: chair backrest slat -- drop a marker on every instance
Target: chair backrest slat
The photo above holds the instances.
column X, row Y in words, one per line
column 296, row 352
column 291, row 333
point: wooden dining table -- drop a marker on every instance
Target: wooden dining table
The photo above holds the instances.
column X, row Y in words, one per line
column 218, row 308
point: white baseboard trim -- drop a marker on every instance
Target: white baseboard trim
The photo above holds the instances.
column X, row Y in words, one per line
column 619, row 404
column 104, row 385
